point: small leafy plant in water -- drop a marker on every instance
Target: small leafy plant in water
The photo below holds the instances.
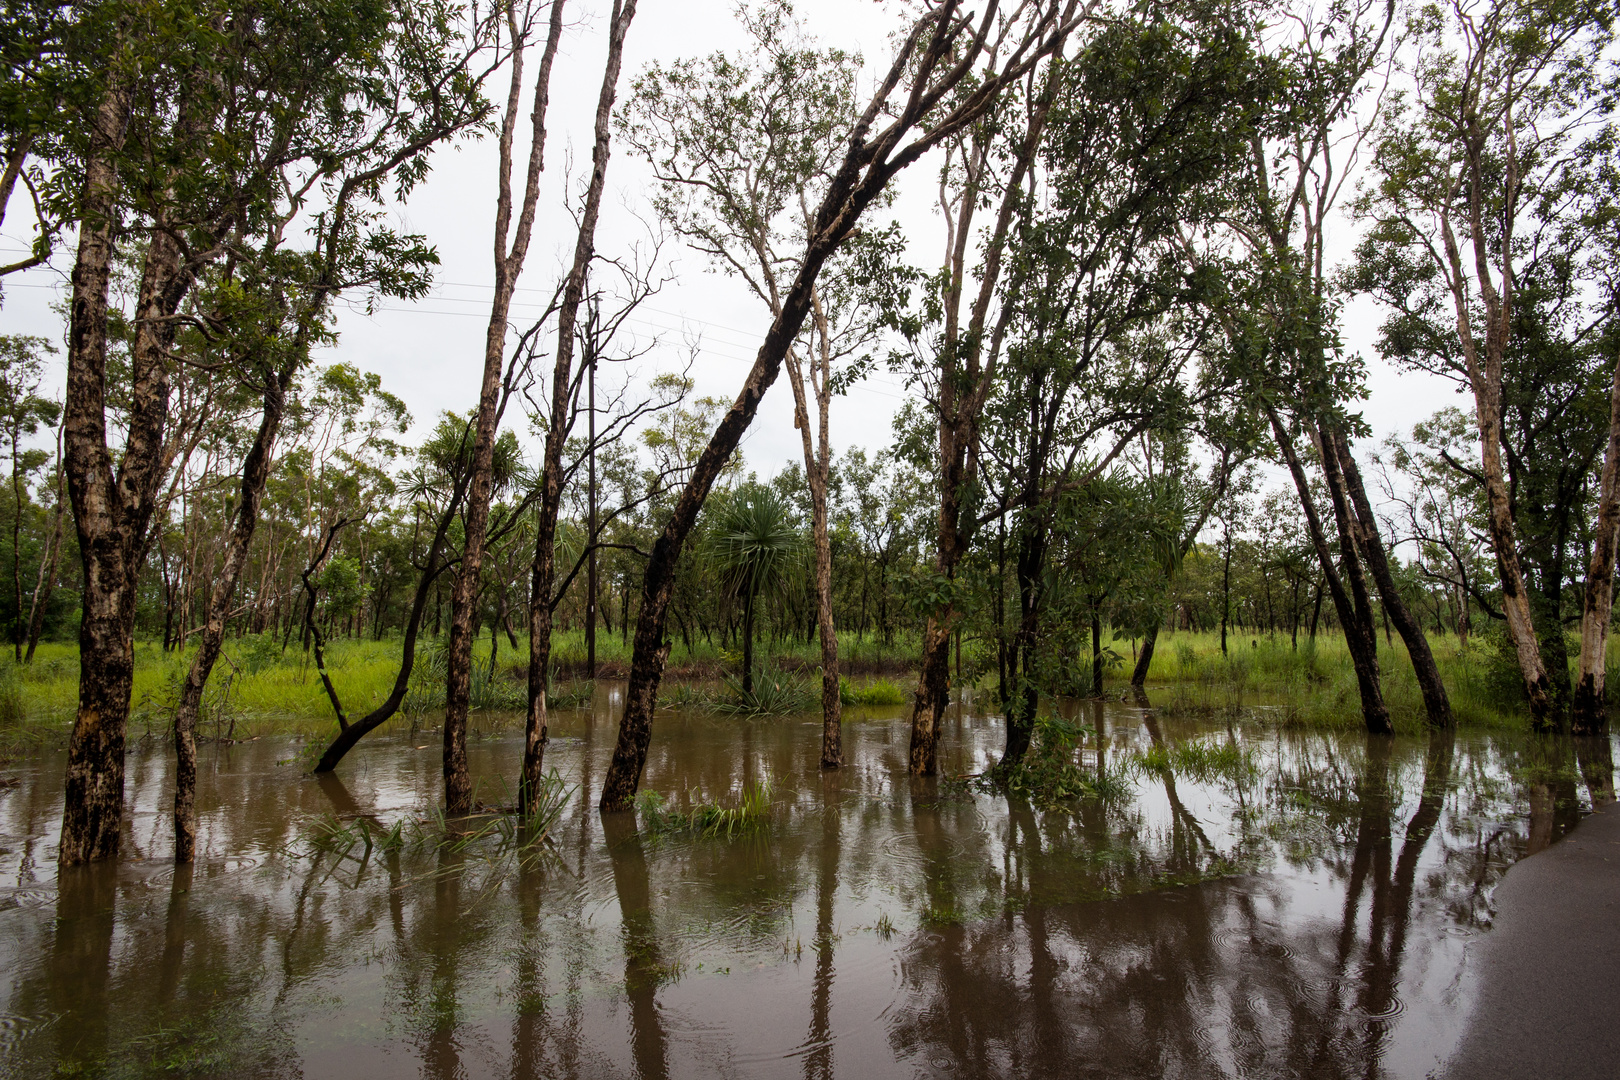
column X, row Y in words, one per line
column 708, row 819
column 1049, row 775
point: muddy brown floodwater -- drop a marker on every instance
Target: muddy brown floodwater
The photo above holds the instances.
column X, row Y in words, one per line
column 1311, row 917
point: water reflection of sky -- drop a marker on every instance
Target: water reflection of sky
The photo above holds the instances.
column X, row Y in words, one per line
column 1312, row 917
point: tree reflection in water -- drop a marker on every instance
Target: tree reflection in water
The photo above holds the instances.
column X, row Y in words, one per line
column 1307, row 918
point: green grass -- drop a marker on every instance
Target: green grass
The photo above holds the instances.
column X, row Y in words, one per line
column 1200, row 759
column 857, row 654
column 876, row 692
column 1315, row 685
column 706, row 819
column 259, row 689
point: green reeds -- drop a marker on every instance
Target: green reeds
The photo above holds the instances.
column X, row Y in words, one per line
column 707, row 819
column 775, row 693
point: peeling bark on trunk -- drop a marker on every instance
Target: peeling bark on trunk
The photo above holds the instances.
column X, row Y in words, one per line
column 112, row 511
column 817, row 468
column 1485, row 378
column 1589, row 712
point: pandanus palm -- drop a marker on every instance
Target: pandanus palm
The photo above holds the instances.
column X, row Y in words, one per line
column 757, row 549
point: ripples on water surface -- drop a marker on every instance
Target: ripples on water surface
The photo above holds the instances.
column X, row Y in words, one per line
column 1312, row 918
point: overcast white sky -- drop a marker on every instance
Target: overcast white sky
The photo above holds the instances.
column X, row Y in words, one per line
column 429, row 352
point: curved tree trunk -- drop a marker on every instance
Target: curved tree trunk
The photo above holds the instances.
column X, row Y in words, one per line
column 351, row 733
column 1357, row 632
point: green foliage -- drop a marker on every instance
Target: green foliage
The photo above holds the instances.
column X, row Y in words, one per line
column 1049, row 776
column 1202, row 760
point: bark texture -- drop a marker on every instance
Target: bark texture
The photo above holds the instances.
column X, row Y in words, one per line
column 817, row 472
column 1589, row 709
column 475, row 521
column 564, row 390
column 93, row 795
column 1485, row 377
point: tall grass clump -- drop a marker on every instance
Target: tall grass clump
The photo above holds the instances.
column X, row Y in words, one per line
column 876, row 692
column 775, row 693
column 1202, row 760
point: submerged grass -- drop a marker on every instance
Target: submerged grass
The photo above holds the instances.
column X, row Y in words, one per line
column 752, row 812
column 776, row 693
column 498, row 837
column 1203, row 760
column 1313, row 684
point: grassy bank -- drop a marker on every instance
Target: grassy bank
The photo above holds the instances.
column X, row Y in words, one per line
column 1315, row 684
column 259, row 689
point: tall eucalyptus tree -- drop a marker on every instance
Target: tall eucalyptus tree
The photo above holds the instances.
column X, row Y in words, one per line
column 947, row 71
column 1499, row 99
column 200, row 125
column 742, row 147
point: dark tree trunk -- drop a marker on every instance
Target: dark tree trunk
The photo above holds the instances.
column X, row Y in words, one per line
column 748, row 644
column 543, row 577
column 1226, row 585
column 1144, row 659
column 1357, row 631
column 1022, row 701
column 1435, row 701
column 112, row 511
column 351, row 733
column 475, row 522
column 1096, row 652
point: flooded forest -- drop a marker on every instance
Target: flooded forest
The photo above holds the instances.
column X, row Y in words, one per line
column 619, row 539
